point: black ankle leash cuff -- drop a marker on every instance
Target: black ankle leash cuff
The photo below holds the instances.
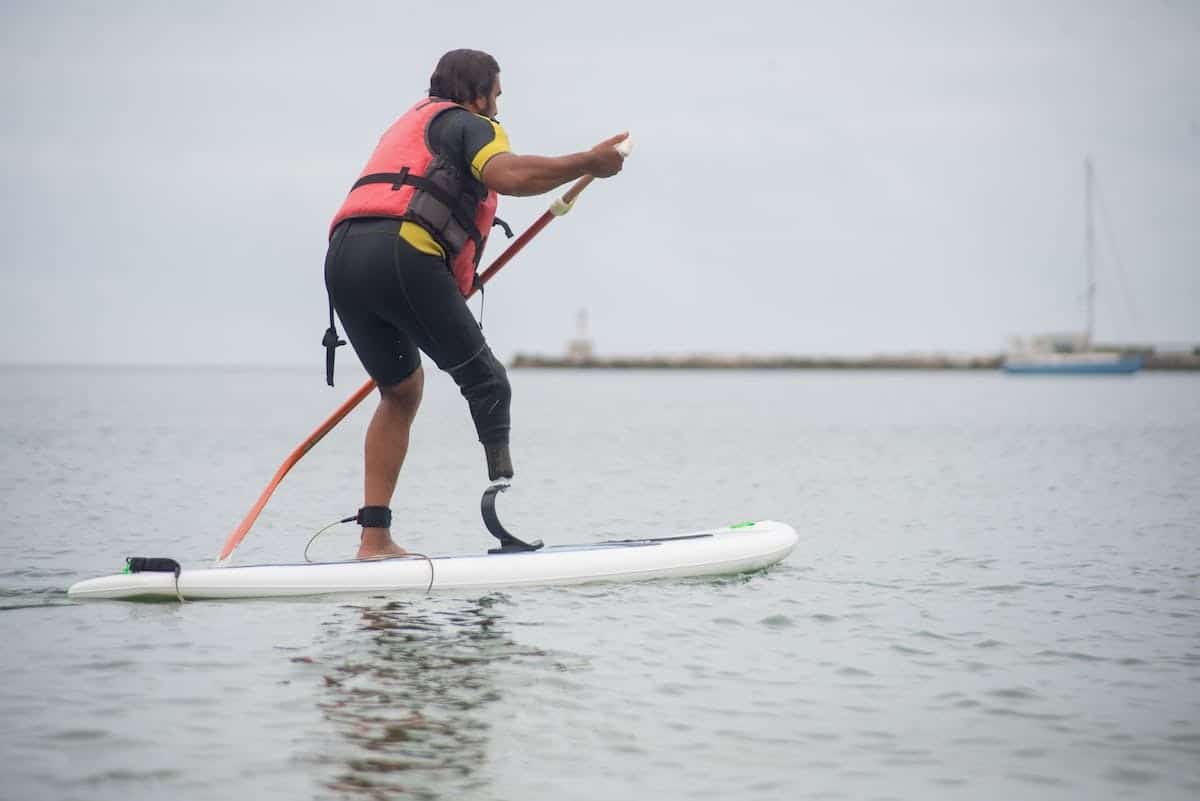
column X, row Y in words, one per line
column 374, row 517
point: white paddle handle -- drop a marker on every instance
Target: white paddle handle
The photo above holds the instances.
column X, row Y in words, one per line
column 562, row 205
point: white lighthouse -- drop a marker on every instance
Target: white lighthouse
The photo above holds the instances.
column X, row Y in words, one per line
column 579, row 349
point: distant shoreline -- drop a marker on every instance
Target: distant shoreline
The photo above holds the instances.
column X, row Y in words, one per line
column 1161, row 361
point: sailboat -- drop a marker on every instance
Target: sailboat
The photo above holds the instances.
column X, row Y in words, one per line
column 1073, row 352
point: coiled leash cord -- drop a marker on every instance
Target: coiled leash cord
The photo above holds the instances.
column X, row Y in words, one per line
column 359, row 518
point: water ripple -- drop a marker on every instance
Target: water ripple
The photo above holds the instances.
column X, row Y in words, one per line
column 929, row 638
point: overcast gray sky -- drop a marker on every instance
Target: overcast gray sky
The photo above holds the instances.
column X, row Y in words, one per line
column 809, row 178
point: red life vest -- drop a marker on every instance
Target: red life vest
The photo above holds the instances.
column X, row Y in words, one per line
column 406, row 180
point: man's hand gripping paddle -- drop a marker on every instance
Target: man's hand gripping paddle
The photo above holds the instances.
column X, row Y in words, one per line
column 557, row 209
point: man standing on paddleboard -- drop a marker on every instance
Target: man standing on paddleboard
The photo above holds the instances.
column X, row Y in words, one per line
column 404, row 249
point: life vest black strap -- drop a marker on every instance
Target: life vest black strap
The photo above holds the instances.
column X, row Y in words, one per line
column 396, row 179
column 404, row 177
column 476, row 280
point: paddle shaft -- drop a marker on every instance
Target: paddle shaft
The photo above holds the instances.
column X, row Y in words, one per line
column 362, row 392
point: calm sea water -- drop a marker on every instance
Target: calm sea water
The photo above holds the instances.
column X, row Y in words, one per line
column 996, row 595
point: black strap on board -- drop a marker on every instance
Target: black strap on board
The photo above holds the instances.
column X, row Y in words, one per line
column 152, row 564
column 155, row 564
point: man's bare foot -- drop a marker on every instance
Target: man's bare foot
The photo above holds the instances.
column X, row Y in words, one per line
column 377, row 544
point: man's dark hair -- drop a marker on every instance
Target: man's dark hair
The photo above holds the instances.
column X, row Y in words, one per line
column 463, row 75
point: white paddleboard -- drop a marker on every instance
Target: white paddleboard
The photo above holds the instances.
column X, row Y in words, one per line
column 734, row 549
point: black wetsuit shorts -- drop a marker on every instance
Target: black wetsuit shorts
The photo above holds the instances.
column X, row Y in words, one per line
column 394, row 301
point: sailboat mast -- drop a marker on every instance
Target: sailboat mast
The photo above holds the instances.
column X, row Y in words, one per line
column 1090, row 250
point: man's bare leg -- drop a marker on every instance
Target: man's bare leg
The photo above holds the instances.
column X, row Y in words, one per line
column 386, row 447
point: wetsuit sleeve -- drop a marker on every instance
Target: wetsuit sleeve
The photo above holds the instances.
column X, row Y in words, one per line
column 468, row 140
column 495, row 144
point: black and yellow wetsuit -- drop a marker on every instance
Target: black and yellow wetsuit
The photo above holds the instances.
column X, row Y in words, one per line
column 395, row 294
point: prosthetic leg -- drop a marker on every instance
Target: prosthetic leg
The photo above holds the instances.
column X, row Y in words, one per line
column 484, row 383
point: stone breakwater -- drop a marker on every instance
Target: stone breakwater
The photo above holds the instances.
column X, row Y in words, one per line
column 1172, row 361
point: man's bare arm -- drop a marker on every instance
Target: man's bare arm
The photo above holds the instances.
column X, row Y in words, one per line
column 511, row 174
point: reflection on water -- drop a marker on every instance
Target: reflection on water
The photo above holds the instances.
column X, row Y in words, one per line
column 406, row 693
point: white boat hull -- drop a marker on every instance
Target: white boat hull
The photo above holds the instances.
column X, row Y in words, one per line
column 1062, row 363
